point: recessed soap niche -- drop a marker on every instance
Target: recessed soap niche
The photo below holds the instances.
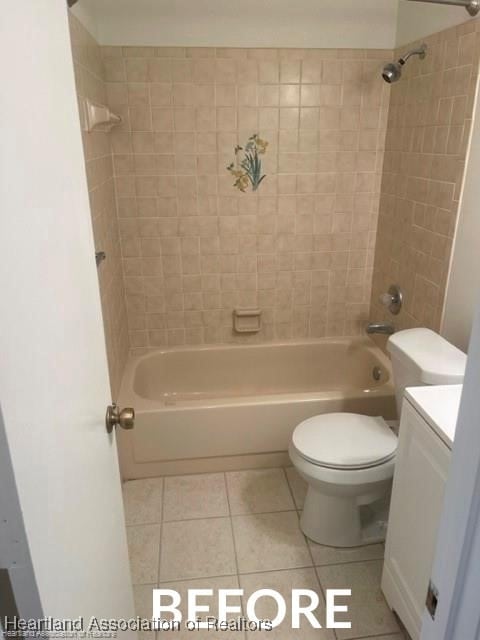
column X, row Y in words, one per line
column 247, row 320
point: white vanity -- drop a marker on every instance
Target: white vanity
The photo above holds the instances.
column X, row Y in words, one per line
column 427, row 431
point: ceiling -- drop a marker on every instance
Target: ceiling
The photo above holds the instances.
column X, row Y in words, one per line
column 265, row 23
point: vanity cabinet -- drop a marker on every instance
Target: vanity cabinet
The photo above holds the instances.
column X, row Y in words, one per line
column 421, row 470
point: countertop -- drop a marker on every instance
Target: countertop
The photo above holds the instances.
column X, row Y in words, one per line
column 439, row 406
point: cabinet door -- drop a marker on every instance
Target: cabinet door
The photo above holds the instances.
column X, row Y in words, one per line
column 417, row 499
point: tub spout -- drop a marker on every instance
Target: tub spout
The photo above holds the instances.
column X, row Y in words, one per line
column 378, row 327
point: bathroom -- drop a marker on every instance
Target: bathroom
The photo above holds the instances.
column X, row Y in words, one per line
column 276, row 206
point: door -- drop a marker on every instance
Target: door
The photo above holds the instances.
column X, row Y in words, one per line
column 53, row 372
column 457, row 557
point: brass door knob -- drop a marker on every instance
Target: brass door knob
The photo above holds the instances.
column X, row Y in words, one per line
column 116, row 418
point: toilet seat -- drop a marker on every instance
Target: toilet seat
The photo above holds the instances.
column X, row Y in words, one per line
column 344, row 441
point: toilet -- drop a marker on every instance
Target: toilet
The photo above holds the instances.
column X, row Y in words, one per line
column 348, row 459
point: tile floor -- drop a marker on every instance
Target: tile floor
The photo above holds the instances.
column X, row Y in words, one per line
column 241, row 529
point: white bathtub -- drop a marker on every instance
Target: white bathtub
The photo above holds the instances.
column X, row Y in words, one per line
column 231, row 407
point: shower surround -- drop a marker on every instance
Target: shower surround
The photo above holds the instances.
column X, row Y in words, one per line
column 301, row 247
column 195, row 247
column 90, row 83
column 428, row 130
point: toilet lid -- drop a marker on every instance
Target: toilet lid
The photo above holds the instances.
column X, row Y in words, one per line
column 345, row 440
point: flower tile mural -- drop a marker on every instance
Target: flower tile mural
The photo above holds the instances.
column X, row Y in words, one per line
column 247, row 167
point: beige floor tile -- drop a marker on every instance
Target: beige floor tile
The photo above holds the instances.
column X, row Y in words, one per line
column 258, row 491
column 228, row 582
column 284, row 582
column 335, row 555
column 143, row 549
column 395, row 636
column 265, row 542
column 196, row 496
column 297, row 485
column 197, row 549
column 368, row 611
column 142, row 500
column 142, row 595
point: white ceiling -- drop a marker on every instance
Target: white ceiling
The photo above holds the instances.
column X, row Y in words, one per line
column 265, row 23
column 245, row 23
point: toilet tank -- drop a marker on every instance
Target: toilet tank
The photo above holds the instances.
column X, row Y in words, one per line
column 422, row 357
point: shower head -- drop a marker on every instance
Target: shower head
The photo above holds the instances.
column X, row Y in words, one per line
column 393, row 70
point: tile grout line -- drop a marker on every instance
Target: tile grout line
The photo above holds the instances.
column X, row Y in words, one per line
column 229, row 575
column 381, row 635
column 234, row 545
column 247, row 513
column 161, row 534
column 317, row 577
column 290, row 488
column 251, row 573
column 297, row 511
column 231, row 523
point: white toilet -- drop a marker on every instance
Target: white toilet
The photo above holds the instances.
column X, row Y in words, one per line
column 348, row 459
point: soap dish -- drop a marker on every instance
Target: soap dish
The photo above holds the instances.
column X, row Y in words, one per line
column 247, row 320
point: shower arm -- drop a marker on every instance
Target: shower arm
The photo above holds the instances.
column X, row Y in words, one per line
column 472, row 6
column 419, row 51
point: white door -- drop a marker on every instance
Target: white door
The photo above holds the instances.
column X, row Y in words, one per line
column 457, row 557
column 53, row 373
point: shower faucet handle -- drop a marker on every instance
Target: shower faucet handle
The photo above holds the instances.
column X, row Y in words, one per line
column 386, row 299
column 393, row 299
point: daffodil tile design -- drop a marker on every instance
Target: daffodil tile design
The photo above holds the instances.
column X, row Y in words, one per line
column 247, row 167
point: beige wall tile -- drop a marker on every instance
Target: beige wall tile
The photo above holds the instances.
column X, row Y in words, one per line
column 306, row 239
column 97, row 74
column 422, row 174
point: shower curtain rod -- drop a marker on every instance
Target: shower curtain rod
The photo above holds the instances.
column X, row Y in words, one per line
column 472, row 6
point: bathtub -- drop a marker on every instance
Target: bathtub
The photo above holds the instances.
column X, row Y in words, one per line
column 220, row 408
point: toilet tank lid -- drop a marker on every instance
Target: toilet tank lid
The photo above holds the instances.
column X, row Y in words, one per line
column 437, row 361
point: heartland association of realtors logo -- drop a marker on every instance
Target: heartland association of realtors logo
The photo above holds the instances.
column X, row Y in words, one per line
column 167, row 614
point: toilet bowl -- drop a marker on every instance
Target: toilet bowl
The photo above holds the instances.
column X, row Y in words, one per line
column 348, row 459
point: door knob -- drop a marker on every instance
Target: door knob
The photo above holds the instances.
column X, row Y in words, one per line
column 116, row 418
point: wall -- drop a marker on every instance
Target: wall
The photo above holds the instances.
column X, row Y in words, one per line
column 86, row 13
column 172, row 308
column 463, row 290
column 427, row 135
column 194, row 247
column 89, row 76
column 250, row 23
column 418, row 20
